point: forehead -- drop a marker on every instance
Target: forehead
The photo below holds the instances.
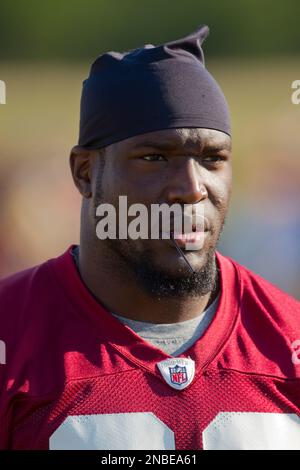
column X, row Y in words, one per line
column 179, row 138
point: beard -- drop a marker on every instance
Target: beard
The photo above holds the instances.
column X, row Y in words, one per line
column 127, row 259
column 160, row 284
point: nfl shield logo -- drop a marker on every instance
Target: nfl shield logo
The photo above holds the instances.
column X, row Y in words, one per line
column 178, row 375
column 178, row 372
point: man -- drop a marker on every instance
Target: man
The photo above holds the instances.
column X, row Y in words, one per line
column 141, row 343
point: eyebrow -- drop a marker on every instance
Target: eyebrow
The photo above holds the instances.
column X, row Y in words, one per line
column 217, row 148
column 155, row 144
column 171, row 145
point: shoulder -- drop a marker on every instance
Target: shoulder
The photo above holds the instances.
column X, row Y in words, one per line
column 21, row 296
column 270, row 298
column 16, row 289
column 258, row 291
column 32, row 284
column 267, row 332
column 20, row 280
column 28, row 300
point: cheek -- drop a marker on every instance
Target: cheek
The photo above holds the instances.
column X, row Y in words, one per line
column 220, row 193
column 108, row 184
column 116, row 181
column 134, row 189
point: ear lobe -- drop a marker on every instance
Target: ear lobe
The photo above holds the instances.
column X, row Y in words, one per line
column 80, row 164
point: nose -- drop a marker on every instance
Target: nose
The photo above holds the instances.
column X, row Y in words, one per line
column 186, row 186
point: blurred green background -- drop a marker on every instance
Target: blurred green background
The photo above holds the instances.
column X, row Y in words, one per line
column 253, row 50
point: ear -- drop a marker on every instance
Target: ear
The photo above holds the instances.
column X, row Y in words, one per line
column 81, row 162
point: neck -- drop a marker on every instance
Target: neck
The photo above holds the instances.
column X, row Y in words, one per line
column 122, row 295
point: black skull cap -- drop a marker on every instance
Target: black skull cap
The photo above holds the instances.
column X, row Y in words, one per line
column 149, row 89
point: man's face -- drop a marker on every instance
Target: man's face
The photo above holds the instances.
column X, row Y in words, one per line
column 167, row 166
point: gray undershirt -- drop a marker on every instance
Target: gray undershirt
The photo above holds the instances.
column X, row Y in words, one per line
column 173, row 338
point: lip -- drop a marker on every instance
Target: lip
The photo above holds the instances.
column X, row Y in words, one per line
column 193, row 223
column 192, row 238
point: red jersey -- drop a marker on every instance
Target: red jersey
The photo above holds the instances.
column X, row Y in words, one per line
column 73, row 377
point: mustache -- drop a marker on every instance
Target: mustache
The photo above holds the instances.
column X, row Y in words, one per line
column 155, row 219
column 184, row 223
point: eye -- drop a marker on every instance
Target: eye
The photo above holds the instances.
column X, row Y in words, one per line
column 213, row 158
column 153, row 158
